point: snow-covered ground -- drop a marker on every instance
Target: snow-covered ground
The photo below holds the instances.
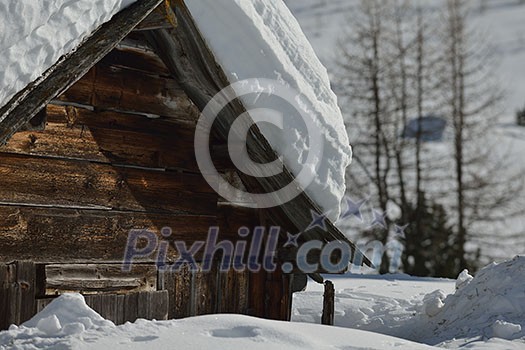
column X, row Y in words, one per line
column 485, row 312
column 372, row 312
column 68, row 323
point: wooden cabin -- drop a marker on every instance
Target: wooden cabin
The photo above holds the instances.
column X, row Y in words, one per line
column 103, row 144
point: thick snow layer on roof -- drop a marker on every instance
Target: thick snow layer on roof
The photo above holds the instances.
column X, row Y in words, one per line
column 35, row 34
column 260, row 39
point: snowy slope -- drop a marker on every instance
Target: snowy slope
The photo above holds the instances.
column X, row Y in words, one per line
column 68, row 323
column 261, row 39
column 35, row 34
column 484, row 312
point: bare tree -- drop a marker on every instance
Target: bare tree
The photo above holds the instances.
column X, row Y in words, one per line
column 484, row 181
column 394, row 65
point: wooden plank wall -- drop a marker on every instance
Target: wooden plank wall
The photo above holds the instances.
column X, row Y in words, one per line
column 116, row 154
column 26, row 288
column 17, row 293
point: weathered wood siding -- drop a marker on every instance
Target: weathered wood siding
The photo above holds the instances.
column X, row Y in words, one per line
column 117, row 154
column 26, row 288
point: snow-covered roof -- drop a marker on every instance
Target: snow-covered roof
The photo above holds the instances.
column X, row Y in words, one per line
column 35, row 34
column 249, row 38
column 260, row 39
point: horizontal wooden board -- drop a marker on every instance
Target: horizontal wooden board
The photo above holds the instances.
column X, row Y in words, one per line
column 66, row 183
column 136, row 59
column 122, row 89
column 47, row 235
column 99, row 278
column 110, row 137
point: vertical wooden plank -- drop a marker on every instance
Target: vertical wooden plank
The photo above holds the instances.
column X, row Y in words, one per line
column 108, row 305
column 111, row 308
column 42, row 303
column 242, row 282
column 26, row 283
column 119, row 309
column 224, row 292
column 183, row 292
column 40, row 283
column 206, row 291
column 13, row 297
column 130, row 307
column 143, row 304
column 179, row 287
column 286, row 300
column 257, row 297
column 4, row 297
column 158, row 309
column 273, row 294
column 17, row 293
column 94, row 302
column 278, row 296
column 166, row 281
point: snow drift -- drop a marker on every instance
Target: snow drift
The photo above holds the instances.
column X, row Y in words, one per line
column 68, row 323
column 481, row 312
column 492, row 304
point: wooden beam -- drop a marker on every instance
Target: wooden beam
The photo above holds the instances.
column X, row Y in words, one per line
column 119, row 88
column 327, row 317
column 47, row 235
column 110, row 137
column 40, row 181
column 162, row 17
column 99, row 278
column 185, row 53
column 24, row 105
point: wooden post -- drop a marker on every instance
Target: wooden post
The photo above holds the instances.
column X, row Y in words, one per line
column 328, row 304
